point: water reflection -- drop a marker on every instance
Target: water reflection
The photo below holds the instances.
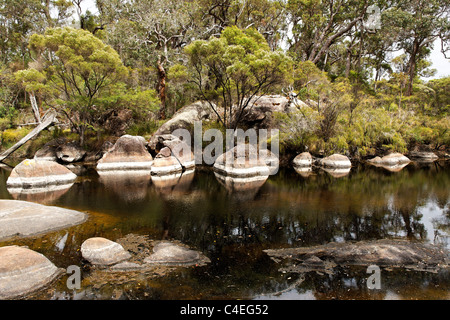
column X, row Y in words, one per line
column 130, row 186
column 241, row 188
column 233, row 221
column 46, row 195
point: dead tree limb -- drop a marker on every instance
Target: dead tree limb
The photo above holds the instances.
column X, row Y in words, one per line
column 47, row 120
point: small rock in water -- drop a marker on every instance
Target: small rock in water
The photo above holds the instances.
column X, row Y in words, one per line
column 103, row 252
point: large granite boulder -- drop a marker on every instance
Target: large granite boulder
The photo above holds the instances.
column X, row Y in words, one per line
column 259, row 113
column 39, row 173
column 22, row 218
column 129, row 153
column 303, row 160
column 23, row 271
column 184, row 119
column 241, row 161
column 336, row 161
column 103, row 252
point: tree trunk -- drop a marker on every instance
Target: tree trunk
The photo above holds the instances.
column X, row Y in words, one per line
column 162, row 88
column 35, row 108
column 412, row 67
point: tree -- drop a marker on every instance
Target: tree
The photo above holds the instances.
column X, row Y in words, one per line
column 317, row 25
column 74, row 72
column 231, row 71
column 418, row 24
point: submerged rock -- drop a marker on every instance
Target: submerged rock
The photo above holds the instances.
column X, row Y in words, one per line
column 383, row 253
column 241, row 161
column 168, row 253
column 336, row 161
column 23, row 271
column 128, row 153
column 21, row 218
column 103, row 252
column 39, row 173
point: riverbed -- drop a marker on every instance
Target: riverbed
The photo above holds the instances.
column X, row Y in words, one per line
column 232, row 226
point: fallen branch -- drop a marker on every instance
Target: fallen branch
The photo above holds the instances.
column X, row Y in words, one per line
column 47, row 120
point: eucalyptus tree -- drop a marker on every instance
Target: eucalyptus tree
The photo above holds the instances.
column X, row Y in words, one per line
column 418, row 23
column 233, row 70
column 74, row 73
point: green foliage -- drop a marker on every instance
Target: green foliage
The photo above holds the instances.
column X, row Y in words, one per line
column 232, row 69
column 75, row 73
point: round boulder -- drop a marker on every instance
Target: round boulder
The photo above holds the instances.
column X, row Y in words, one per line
column 103, row 252
column 302, row 160
column 336, row 161
column 39, row 173
column 23, row 271
column 128, row 153
column 241, row 161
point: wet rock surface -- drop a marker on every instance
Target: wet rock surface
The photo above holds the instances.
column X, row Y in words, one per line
column 23, row 219
column 23, row 271
column 383, row 253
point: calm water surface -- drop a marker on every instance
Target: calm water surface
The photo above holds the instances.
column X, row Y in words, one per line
column 232, row 226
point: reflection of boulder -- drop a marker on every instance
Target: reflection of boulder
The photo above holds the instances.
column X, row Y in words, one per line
column 127, row 185
column 23, row 271
column 305, row 172
column 129, row 153
column 241, row 161
column 242, row 188
column 335, row 161
column 45, row 195
column 173, row 183
column 39, row 173
column 337, row 172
